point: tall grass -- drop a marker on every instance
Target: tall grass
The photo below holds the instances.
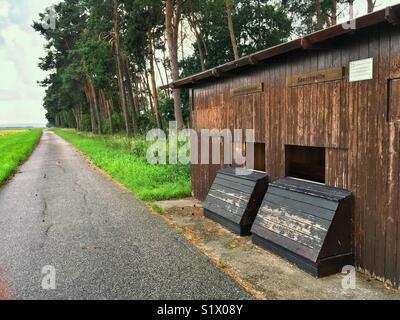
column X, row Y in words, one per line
column 14, row 149
column 125, row 160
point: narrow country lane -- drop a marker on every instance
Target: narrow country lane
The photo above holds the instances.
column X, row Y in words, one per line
column 58, row 211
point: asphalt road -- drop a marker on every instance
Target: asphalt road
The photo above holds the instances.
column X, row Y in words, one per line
column 102, row 243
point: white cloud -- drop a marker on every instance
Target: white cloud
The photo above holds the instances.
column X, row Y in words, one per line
column 21, row 47
column 3, row 8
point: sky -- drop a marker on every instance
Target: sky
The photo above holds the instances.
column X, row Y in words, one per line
column 21, row 47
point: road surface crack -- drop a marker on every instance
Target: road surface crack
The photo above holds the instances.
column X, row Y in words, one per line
column 45, row 207
column 61, row 167
column 84, row 194
column 47, row 231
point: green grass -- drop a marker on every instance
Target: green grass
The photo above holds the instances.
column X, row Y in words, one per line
column 157, row 208
column 124, row 159
column 222, row 264
column 15, row 148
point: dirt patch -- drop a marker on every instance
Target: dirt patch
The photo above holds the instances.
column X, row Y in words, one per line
column 261, row 273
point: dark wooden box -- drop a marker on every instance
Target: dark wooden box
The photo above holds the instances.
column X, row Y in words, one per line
column 234, row 200
column 308, row 224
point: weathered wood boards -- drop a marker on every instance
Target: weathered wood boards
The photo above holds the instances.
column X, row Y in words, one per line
column 308, row 224
column 358, row 124
column 233, row 200
column 394, row 103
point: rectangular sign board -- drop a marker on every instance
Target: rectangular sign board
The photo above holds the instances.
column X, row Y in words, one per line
column 315, row 77
column 255, row 88
column 361, row 70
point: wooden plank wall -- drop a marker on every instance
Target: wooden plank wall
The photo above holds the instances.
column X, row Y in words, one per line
column 349, row 119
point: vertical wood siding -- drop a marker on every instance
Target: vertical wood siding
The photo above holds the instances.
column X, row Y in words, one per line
column 351, row 120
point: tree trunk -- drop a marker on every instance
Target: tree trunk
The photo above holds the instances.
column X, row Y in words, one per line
column 333, row 19
column 91, row 110
column 131, row 100
column 137, row 94
column 371, row 5
column 81, row 115
column 109, row 113
column 147, row 91
column 182, row 44
column 95, row 105
column 165, row 67
column 199, row 43
column 61, row 120
column 202, row 55
column 56, row 122
column 109, row 108
column 120, row 70
column 153, row 81
column 77, row 112
column 318, row 14
column 136, row 99
column 231, row 30
column 76, row 118
column 160, row 73
column 165, row 64
column 351, row 9
column 172, row 21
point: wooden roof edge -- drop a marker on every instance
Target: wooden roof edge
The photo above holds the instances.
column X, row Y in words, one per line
column 389, row 14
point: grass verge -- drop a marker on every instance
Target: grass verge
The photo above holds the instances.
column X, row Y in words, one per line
column 124, row 159
column 15, row 148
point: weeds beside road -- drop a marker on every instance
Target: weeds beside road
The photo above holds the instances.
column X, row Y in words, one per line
column 125, row 160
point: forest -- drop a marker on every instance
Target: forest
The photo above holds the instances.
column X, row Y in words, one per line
column 106, row 59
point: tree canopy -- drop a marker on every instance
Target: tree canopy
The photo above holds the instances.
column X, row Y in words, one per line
column 106, row 58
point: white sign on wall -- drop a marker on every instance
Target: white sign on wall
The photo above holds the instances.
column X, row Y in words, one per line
column 361, row 70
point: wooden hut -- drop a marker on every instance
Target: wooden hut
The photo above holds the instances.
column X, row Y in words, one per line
column 325, row 108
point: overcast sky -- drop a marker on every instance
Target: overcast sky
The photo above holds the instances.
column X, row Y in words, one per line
column 20, row 49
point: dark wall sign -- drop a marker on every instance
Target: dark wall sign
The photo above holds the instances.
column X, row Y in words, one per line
column 315, row 77
column 255, row 88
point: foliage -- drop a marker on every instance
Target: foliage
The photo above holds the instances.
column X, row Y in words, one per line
column 166, row 107
column 82, row 50
column 86, row 122
column 157, row 208
column 258, row 24
column 304, row 13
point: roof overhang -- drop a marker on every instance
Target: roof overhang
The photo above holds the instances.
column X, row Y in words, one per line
column 387, row 15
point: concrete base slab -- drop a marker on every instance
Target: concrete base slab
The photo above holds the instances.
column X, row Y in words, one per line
column 267, row 275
